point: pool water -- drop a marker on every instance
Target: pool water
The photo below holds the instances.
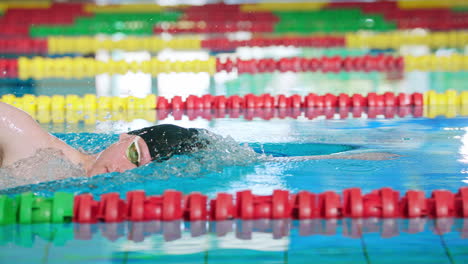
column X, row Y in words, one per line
column 434, row 155
column 253, row 151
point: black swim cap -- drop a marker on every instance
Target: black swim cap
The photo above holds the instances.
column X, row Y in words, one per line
column 164, row 141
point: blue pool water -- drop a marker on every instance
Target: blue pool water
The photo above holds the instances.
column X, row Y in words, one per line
column 434, row 155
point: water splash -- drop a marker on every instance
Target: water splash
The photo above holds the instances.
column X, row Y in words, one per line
column 45, row 165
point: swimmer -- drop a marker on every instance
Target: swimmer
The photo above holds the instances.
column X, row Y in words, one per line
column 22, row 137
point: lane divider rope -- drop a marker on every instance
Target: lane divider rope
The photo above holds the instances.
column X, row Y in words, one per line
column 79, row 67
column 91, row 102
column 28, row 208
column 91, row 109
column 87, row 44
column 79, row 19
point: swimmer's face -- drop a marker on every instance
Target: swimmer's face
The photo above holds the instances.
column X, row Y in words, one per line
column 129, row 152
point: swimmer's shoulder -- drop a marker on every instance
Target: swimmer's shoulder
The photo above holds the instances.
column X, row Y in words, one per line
column 20, row 135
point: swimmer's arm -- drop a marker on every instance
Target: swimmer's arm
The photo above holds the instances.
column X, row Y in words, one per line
column 16, row 124
column 354, row 156
column 20, row 134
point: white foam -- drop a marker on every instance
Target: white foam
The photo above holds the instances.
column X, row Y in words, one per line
column 45, row 165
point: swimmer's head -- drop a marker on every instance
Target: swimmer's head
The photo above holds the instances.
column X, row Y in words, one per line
column 164, row 141
column 140, row 147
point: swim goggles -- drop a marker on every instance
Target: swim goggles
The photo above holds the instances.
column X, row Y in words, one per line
column 133, row 152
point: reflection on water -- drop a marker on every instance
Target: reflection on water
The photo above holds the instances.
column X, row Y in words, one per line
column 225, row 232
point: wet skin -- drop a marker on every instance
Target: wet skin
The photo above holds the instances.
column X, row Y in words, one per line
column 114, row 158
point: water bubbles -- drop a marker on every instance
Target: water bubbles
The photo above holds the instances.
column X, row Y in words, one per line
column 44, row 166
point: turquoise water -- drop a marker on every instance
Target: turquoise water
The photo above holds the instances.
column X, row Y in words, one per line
column 434, row 155
column 279, row 241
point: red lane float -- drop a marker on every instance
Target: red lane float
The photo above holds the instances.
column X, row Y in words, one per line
column 224, row 44
column 251, row 101
column 16, row 21
column 23, row 45
column 8, row 68
column 366, row 63
column 172, row 205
